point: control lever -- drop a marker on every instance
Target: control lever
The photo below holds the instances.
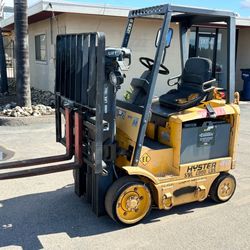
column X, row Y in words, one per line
column 126, row 54
column 211, row 111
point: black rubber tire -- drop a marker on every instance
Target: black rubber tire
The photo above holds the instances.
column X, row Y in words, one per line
column 213, row 193
column 114, row 192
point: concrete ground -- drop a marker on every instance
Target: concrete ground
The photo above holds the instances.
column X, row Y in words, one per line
column 44, row 212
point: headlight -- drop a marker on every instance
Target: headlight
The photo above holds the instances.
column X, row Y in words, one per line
column 113, row 78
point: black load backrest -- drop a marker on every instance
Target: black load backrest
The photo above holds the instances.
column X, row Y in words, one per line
column 197, row 71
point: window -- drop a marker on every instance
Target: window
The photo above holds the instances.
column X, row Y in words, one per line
column 211, row 43
column 40, row 47
column 192, row 44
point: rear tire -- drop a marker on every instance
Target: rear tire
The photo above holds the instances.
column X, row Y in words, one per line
column 223, row 188
column 128, row 200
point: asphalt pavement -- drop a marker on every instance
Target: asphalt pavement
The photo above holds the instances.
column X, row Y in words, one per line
column 44, row 213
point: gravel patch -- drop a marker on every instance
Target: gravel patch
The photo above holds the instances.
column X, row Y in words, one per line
column 11, row 110
column 43, row 103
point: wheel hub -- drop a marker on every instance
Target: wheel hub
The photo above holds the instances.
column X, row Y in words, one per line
column 226, row 189
column 132, row 203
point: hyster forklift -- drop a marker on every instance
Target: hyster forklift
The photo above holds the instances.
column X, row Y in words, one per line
column 133, row 154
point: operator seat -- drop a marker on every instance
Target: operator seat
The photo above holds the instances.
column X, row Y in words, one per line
column 194, row 85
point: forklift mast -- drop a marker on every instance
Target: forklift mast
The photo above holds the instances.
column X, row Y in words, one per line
column 83, row 86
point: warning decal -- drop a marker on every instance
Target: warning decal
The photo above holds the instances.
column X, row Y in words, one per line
column 145, row 159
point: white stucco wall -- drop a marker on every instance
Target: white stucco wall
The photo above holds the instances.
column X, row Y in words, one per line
column 141, row 42
column 41, row 73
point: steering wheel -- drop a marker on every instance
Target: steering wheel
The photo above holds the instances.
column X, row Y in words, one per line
column 149, row 63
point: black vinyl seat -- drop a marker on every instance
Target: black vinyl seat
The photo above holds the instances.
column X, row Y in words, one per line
column 194, row 85
column 140, row 89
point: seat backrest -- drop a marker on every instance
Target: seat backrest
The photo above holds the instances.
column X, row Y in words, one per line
column 140, row 89
column 197, row 70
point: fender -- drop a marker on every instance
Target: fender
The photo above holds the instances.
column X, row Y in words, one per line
column 140, row 172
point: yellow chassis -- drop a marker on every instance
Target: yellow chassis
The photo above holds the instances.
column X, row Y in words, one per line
column 172, row 183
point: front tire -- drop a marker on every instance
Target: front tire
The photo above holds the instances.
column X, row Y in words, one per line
column 128, row 200
column 223, row 188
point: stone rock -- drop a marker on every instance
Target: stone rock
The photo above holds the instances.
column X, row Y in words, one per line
column 43, row 103
column 19, row 109
column 36, row 113
column 28, row 110
column 14, row 113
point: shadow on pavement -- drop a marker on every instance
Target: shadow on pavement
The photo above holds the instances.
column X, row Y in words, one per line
column 23, row 219
column 5, row 154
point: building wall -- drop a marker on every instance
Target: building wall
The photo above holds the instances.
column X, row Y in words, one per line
column 41, row 73
column 243, row 55
column 141, row 42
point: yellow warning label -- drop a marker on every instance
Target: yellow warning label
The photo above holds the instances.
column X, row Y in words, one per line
column 145, row 159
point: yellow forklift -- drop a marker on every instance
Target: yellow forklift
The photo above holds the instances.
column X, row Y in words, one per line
column 133, row 154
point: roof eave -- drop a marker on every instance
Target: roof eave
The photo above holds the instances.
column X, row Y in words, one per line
column 50, row 6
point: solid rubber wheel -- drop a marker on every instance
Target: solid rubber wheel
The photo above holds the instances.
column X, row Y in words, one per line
column 223, row 188
column 128, row 200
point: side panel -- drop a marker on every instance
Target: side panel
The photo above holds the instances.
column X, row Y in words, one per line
column 209, row 140
column 183, row 191
column 127, row 129
column 157, row 162
column 235, row 119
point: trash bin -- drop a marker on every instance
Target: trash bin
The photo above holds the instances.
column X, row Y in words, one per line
column 245, row 75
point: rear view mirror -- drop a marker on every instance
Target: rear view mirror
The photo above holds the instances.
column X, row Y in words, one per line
column 167, row 40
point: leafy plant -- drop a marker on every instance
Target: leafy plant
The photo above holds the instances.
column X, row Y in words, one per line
column 128, row 94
